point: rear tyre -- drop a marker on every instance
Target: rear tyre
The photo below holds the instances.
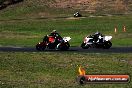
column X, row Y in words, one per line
column 83, row 45
column 38, row 48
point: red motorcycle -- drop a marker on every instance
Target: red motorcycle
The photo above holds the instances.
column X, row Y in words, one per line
column 52, row 42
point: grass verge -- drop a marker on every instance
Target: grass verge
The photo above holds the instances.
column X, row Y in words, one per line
column 46, row 70
column 27, row 32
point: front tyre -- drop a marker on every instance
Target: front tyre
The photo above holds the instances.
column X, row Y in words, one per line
column 63, row 46
column 107, row 45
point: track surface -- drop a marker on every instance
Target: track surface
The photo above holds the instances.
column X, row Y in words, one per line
column 72, row 49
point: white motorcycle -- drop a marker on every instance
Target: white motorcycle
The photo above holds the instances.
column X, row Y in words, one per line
column 102, row 42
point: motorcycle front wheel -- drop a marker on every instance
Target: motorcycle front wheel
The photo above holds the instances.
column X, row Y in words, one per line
column 63, row 46
column 107, row 45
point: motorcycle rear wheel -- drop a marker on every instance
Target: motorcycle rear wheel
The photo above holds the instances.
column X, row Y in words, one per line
column 39, row 48
column 83, row 45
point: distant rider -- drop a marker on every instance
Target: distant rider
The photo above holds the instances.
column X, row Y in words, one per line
column 77, row 14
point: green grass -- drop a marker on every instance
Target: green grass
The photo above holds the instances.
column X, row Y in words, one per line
column 48, row 70
column 28, row 32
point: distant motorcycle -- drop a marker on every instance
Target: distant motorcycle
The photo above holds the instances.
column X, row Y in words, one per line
column 54, row 43
column 103, row 42
column 77, row 14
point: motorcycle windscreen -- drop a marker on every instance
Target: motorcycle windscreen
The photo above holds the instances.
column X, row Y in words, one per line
column 107, row 38
column 51, row 39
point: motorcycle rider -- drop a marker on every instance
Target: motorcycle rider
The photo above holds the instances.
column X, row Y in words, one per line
column 57, row 36
column 53, row 34
column 45, row 39
column 97, row 37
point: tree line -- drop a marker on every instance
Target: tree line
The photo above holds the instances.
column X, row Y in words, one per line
column 5, row 3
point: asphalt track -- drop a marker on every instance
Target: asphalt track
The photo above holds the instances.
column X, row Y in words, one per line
column 72, row 49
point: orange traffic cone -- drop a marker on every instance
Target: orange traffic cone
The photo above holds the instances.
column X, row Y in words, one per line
column 124, row 28
column 115, row 29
